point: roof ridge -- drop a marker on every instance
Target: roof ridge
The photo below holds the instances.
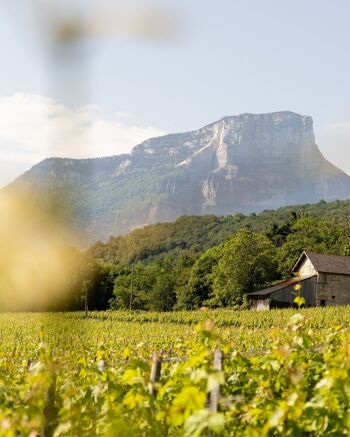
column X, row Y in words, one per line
column 325, row 263
column 325, row 254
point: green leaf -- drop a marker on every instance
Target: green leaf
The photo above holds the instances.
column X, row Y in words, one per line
column 216, row 423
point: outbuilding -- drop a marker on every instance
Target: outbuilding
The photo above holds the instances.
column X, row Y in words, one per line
column 325, row 280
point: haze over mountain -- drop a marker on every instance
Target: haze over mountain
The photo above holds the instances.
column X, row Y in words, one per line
column 244, row 163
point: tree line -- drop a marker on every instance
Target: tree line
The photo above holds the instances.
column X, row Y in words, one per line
column 211, row 275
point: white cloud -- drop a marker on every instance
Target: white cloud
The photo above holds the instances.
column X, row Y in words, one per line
column 334, row 142
column 34, row 127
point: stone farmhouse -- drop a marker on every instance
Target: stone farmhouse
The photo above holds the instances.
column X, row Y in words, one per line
column 325, row 280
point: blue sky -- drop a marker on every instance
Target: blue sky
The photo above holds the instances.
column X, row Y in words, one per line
column 222, row 57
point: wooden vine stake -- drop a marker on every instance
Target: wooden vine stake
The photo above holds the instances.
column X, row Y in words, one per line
column 155, row 373
column 50, row 410
column 215, row 392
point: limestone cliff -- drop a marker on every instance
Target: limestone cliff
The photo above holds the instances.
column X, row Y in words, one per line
column 243, row 163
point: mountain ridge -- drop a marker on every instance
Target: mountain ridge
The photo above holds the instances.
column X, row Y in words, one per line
column 244, row 163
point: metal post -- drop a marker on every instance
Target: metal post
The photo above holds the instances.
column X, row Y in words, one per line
column 132, row 287
column 86, row 303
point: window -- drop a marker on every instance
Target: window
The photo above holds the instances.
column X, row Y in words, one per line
column 323, row 303
column 333, row 297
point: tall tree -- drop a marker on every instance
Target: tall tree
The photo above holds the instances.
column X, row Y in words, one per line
column 247, row 263
column 200, row 284
column 310, row 234
column 131, row 287
column 162, row 296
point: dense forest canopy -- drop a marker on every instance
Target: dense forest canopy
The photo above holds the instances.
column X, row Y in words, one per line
column 195, row 234
column 204, row 261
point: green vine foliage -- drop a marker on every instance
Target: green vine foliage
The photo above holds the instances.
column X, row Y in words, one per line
column 285, row 373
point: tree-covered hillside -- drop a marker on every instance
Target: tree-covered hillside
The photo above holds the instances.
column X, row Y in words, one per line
column 203, row 261
column 192, row 235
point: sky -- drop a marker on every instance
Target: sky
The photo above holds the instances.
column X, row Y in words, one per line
column 97, row 77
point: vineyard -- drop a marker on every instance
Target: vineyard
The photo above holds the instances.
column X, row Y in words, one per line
column 284, row 372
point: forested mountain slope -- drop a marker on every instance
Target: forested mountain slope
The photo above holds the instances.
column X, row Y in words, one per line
column 195, row 234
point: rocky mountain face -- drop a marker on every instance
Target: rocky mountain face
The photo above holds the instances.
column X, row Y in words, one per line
column 243, row 163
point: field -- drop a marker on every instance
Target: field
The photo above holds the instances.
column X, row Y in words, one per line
column 284, row 373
